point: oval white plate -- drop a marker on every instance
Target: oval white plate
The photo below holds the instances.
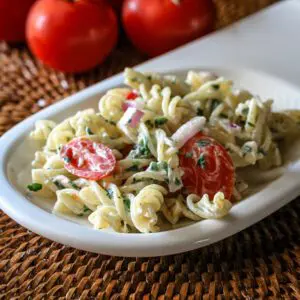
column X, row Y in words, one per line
column 16, row 154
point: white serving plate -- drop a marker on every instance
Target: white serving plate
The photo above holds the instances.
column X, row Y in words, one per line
column 283, row 184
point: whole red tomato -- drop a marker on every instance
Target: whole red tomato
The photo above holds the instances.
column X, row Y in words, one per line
column 116, row 4
column 13, row 15
column 158, row 26
column 71, row 36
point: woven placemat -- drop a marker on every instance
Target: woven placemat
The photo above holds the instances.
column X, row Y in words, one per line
column 260, row 262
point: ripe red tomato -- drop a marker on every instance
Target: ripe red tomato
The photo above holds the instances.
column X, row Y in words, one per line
column 13, row 14
column 116, row 4
column 71, row 36
column 87, row 159
column 158, row 26
column 207, row 166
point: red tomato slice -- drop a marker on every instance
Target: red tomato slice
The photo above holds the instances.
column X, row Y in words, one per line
column 207, row 166
column 87, row 159
column 132, row 95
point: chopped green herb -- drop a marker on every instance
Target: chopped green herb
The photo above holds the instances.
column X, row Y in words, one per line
column 177, row 181
column 189, row 155
column 59, row 185
column 129, row 121
column 247, row 149
column 154, row 166
column 134, row 79
column 262, row 151
column 160, row 121
column 203, row 143
column 34, row 187
column 110, row 122
column 133, row 168
column 215, row 86
column 201, row 161
column 141, row 150
column 214, row 104
column 86, row 209
column 127, row 203
column 149, row 123
column 109, row 193
column 149, row 77
column 164, row 165
column 89, row 131
column 223, row 116
column 74, row 185
column 199, row 112
column 80, row 215
column 245, row 111
column 67, row 159
column 250, row 124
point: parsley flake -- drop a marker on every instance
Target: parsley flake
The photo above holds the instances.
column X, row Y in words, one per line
column 34, row 187
column 89, row 131
column 177, row 181
column 74, row 185
column 189, row 155
column 67, row 159
column 215, row 86
column 262, row 151
column 127, row 203
column 86, row 209
column 214, row 104
column 133, row 168
column 203, row 143
column 59, row 185
column 201, row 161
column 153, row 166
column 160, row 121
column 109, row 193
column 250, row 124
column 245, row 111
column 149, row 123
column 247, row 149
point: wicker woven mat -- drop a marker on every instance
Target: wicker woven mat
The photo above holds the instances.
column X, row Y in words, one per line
column 260, row 262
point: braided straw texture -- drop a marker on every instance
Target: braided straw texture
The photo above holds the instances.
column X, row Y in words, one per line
column 262, row 262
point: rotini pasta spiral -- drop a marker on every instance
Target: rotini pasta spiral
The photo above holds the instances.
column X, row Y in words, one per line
column 147, row 126
column 145, row 206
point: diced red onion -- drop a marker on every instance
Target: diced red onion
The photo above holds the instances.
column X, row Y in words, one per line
column 136, row 117
column 188, row 130
column 128, row 104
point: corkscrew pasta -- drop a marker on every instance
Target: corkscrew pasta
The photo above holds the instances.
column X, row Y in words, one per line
column 146, row 128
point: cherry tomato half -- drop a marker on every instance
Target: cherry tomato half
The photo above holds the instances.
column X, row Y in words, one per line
column 87, row 159
column 207, row 166
column 71, row 36
column 158, row 26
column 132, row 95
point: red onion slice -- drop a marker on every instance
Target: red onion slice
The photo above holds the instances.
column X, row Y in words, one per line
column 188, row 130
column 135, row 119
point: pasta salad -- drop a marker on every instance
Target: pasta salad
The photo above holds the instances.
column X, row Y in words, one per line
column 158, row 151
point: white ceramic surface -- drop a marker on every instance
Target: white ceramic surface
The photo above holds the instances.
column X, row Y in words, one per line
column 15, row 156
